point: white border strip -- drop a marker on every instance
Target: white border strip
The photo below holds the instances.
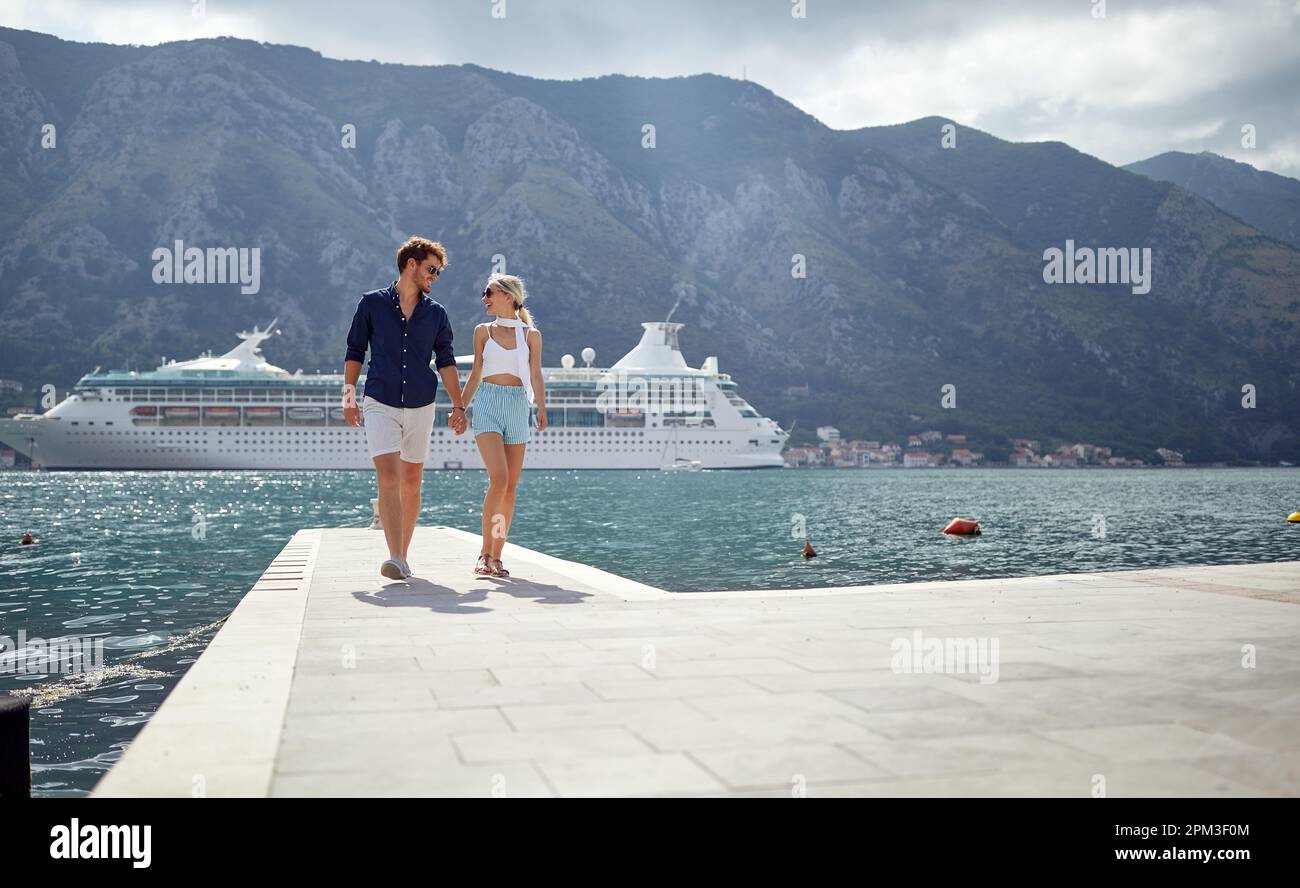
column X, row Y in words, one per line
column 218, row 732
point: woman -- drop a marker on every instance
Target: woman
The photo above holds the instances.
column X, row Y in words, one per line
column 508, row 360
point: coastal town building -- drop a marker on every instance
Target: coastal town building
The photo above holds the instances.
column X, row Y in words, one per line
column 803, row 456
column 1171, row 457
column 1022, row 457
column 836, row 451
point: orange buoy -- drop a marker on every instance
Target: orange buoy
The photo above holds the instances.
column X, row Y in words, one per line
column 962, row 526
column 808, row 550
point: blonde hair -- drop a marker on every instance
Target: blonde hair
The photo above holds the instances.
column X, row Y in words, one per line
column 515, row 287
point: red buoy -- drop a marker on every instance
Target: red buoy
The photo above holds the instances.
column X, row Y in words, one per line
column 962, row 526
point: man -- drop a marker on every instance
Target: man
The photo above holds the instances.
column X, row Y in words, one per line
column 404, row 330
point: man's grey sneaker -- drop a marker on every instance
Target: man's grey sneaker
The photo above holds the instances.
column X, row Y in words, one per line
column 406, row 568
column 392, row 569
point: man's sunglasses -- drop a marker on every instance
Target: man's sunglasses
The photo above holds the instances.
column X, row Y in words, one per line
column 433, row 270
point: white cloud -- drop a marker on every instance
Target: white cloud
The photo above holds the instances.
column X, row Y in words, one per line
column 146, row 24
column 1082, row 81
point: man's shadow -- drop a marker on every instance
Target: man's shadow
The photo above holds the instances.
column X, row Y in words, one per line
column 417, row 592
column 545, row 593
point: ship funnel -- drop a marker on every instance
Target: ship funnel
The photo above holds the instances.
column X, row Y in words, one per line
column 657, row 350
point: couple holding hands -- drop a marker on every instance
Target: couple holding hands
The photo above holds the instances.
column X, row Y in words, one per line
column 404, row 330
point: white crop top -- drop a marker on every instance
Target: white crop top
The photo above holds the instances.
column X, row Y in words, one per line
column 499, row 359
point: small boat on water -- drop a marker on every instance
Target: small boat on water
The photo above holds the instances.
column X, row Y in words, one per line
column 678, row 463
column 682, row 464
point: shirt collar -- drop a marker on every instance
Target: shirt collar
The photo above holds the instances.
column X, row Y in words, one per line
column 392, row 294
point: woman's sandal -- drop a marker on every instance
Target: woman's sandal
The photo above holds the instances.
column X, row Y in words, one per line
column 483, row 567
column 499, row 569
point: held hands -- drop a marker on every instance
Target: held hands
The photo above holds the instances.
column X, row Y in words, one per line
column 351, row 412
column 458, row 422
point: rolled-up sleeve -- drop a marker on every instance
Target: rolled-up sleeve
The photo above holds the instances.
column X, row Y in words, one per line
column 359, row 334
column 443, row 353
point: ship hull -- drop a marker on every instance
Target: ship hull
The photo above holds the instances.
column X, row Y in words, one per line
column 53, row 445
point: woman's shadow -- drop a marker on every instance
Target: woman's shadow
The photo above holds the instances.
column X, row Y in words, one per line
column 417, row 592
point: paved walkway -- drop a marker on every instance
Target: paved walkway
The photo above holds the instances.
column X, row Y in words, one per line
column 564, row 680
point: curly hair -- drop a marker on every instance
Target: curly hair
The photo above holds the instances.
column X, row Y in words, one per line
column 419, row 248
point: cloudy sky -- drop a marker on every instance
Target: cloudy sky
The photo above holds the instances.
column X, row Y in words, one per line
column 1143, row 78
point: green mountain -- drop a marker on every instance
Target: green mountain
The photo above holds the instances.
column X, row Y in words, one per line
column 1261, row 199
column 924, row 264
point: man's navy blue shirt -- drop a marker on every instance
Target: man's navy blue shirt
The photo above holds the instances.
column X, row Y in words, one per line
column 400, row 349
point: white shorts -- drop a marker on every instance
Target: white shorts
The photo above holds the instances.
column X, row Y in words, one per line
column 397, row 429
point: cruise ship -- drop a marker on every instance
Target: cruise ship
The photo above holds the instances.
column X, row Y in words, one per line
column 649, row 410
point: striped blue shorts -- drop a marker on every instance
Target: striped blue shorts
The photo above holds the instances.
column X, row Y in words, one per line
column 503, row 409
